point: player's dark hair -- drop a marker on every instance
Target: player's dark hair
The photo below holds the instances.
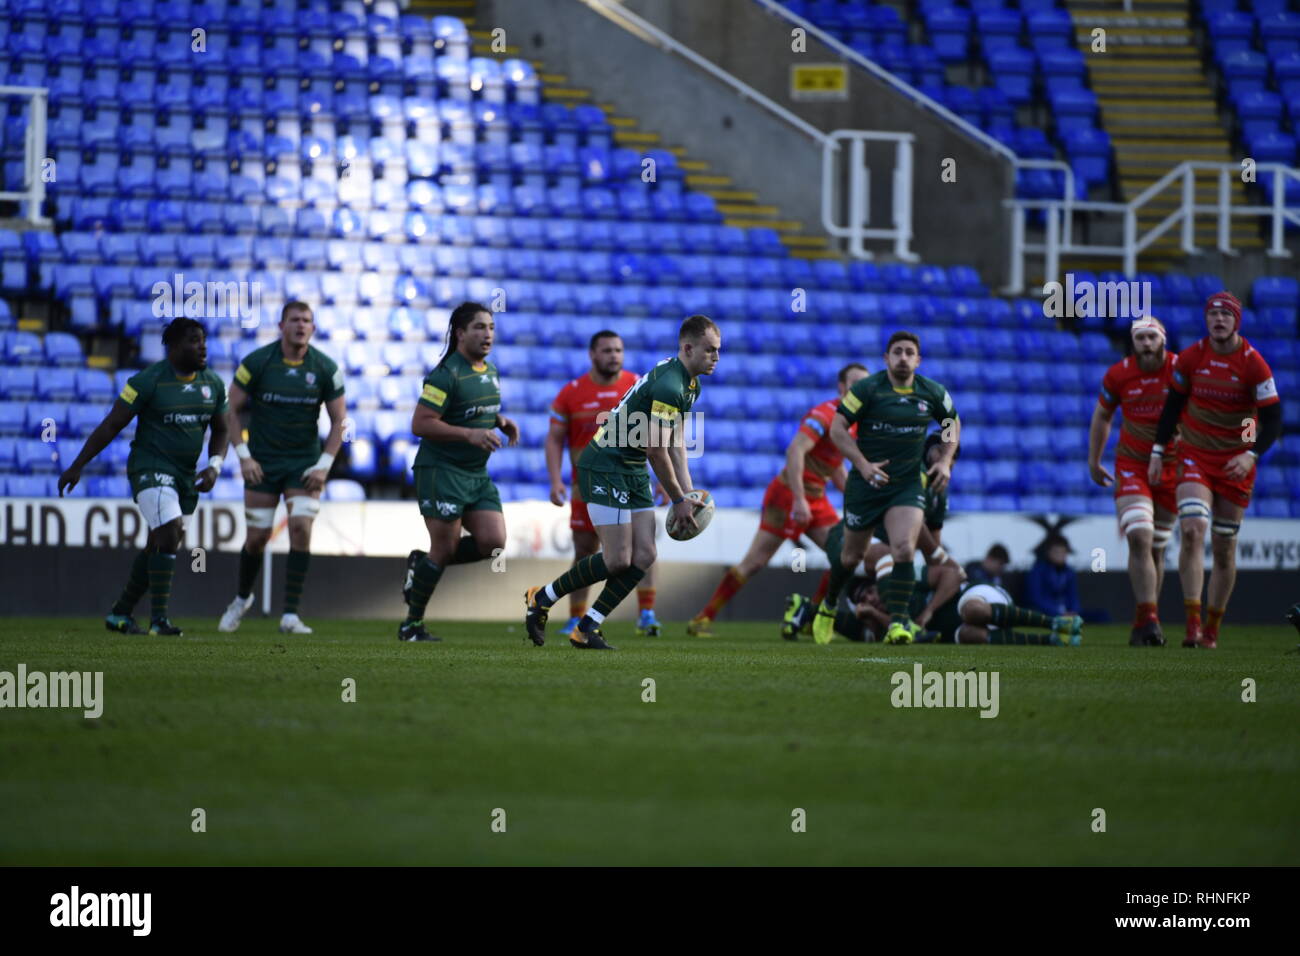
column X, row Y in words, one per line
column 461, row 317
column 602, row 334
column 178, row 328
column 844, row 372
column 695, row 326
column 295, row 304
column 902, row 335
column 999, row 553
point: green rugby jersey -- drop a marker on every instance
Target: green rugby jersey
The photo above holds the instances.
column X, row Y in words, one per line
column 467, row 396
column 665, row 394
column 285, row 398
column 173, row 412
column 892, row 422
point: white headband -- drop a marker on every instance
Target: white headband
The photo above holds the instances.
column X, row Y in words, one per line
column 1148, row 323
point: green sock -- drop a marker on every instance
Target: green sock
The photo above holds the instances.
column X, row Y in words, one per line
column 898, row 591
column 1009, row 615
column 1018, row 637
column 294, row 576
column 249, row 565
column 424, row 581
column 617, row 588
column 466, row 551
column 161, row 569
column 848, row 625
column 584, row 573
column 136, row 584
column 839, row 577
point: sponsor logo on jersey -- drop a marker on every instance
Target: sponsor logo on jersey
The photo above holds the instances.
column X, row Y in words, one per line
column 183, row 418
column 921, row 406
column 206, row 391
column 598, row 489
column 187, row 387
column 293, row 373
column 311, row 378
column 433, row 395
column 129, row 395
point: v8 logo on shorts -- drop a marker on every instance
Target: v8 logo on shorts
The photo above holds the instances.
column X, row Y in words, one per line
column 163, row 478
column 619, row 495
column 447, row 507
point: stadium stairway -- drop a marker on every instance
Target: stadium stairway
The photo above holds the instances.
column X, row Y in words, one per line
column 1159, row 109
column 740, row 207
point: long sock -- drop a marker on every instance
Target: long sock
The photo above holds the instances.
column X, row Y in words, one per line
column 1144, row 613
column 898, row 591
column 645, row 599
column 617, row 587
column 583, row 574
column 294, row 576
column 466, row 551
column 1192, row 611
column 1214, row 617
column 1018, row 637
column 577, row 610
column 424, row 580
column 161, row 569
column 249, row 565
column 731, row 582
column 822, row 587
column 136, row 584
column 839, row 576
column 1012, row 615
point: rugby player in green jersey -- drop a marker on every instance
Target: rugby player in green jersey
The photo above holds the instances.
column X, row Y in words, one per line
column 177, row 400
column 456, row 421
column 892, row 409
column 647, row 425
column 284, row 383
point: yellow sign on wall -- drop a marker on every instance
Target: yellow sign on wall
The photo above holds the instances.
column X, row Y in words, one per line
column 819, row 81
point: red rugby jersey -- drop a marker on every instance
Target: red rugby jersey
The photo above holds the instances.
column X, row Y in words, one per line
column 1223, row 392
column 1140, row 397
column 823, row 458
column 582, row 403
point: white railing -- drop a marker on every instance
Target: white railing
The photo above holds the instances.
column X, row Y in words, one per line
column 647, row 31
column 857, row 228
column 1059, row 232
column 33, row 192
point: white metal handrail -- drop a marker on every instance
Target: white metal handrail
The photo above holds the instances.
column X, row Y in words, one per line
column 652, row 34
column 34, row 147
column 857, row 228
column 1059, row 232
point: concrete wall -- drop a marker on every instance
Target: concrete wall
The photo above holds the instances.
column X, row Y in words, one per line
column 41, row 581
column 961, row 222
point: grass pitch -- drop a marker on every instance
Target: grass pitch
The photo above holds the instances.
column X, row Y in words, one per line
column 744, row 730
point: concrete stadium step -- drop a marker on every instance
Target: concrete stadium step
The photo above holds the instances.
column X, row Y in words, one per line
column 627, row 137
column 731, row 195
column 805, row 242
column 568, row 93
column 747, row 209
column 780, row 225
column 706, row 180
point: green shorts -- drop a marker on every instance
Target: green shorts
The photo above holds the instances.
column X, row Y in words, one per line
column 615, row 490
column 158, row 478
column 281, row 474
column 447, row 493
column 865, row 507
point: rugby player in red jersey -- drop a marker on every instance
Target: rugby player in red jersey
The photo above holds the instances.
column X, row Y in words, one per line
column 811, row 459
column 1137, row 386
column 581, row 407
column 1224, row 401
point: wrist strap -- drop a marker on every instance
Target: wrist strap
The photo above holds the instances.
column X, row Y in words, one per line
column 678, row 501
column 214, row 462
column 1157, row 450
column 242, row 452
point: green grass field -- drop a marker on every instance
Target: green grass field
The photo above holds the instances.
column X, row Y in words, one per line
column 744, row 729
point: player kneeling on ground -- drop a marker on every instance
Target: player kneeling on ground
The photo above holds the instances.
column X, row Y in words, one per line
column 177, row 400
column 285, row 383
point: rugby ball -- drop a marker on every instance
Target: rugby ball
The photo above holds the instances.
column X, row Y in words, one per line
column 703, row 515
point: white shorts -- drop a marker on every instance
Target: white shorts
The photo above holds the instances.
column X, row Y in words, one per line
column 984, row 592
column 161, row 506
column 604, row 514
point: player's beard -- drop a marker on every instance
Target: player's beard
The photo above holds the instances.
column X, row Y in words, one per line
column 1151, row 362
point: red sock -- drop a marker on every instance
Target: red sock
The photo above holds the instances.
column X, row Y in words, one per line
column 1145, row 612
column 1213, row 618
column 645, row 599
column 1192, row 611
column 822, row 587
column 577, row 610
column 731, row 582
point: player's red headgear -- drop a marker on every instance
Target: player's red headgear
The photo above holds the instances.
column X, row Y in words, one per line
column 1226, row 300
column 1148, row 323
